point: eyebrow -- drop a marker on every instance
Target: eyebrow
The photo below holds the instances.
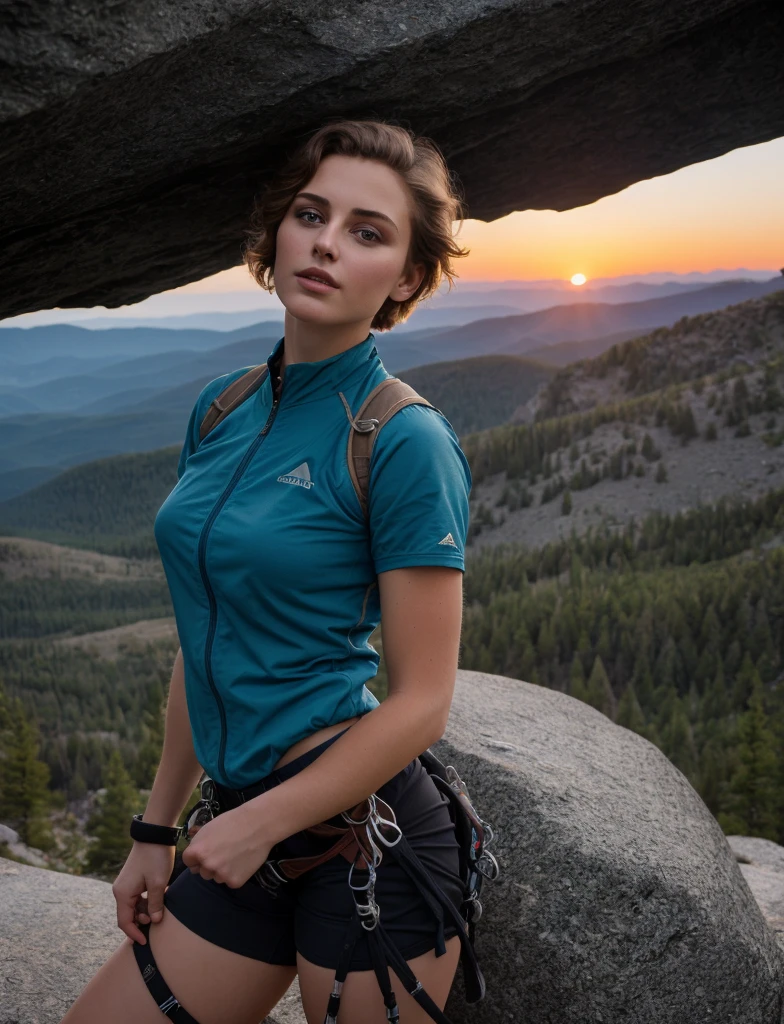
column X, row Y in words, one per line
column 359, row 212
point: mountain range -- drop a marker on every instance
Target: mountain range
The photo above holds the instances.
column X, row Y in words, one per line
column 70, row 395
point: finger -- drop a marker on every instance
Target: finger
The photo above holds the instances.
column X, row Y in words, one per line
column 155, row 903
column 125, row 918
column 142, row 912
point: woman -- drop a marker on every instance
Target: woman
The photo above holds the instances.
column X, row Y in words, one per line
column 277, row 582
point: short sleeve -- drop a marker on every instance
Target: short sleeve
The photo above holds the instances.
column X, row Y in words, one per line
column 418, row 492
column 191, row 442
column 210, row 391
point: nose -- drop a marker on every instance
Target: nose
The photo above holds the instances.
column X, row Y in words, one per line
column 326, row 244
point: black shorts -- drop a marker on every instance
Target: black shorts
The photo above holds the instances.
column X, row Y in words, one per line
column 311, row 914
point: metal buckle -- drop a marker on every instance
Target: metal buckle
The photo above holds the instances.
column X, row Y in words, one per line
column 370, row 912
column 487, row 866
column 207, row 789
column 269, row 877
column 199, row 816
column 365, row 426
column 474, row 907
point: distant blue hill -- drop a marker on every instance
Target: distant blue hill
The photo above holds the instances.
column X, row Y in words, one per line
column 141, row 403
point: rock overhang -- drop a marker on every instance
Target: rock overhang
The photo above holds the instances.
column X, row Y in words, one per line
column 133, row 146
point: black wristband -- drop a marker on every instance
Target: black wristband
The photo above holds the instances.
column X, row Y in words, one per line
column 146, row 832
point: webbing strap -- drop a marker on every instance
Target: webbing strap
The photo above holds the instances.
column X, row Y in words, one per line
column 413, row 866
column 159, row 990
column 387, row 398
column 382, row 975
column 341, row 972
column 232, row 396
column 383, row 951
column 409, row 979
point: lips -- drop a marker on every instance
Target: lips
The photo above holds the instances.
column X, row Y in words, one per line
column 318, row 275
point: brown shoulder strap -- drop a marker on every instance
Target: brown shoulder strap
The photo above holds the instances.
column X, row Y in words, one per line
column 387, row 398
column 232, row 396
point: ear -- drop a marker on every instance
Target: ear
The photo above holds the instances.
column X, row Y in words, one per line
column 408, row 283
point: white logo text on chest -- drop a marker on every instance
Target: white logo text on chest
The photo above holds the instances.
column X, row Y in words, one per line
column 300, row 476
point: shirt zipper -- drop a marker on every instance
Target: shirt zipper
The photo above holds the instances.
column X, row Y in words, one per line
column 208, row 586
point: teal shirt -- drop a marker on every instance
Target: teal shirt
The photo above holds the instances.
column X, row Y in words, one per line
column 272, row 567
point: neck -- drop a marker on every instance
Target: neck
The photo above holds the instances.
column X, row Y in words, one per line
column 308, row 342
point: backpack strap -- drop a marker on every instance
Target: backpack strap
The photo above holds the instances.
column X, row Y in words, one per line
column 387, row 398
column 232, row 396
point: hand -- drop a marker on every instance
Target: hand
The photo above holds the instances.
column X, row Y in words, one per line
column 147, row 868
column 229, row 848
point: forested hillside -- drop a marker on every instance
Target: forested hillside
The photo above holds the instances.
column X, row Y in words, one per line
column 627, row 547
column 108, row 505
column 674, row 629
column 478, row 393
column 655, row 424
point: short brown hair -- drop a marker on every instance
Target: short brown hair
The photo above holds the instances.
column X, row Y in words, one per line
column 433, row 189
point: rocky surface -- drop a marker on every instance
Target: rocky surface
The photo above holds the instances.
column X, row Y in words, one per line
column 620, row 899
column 56, row 930
column 762, row 864
column 11, row 844
column 134, row 137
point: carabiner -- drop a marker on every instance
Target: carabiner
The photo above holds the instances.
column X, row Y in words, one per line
column 378, row 821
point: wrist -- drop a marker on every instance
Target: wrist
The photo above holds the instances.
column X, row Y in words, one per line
column 269, row 821
column 148, row 832
column 150, row 816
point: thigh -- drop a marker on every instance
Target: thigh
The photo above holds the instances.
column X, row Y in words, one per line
column 214, row 985
column 326, row 905
column 361, row 1001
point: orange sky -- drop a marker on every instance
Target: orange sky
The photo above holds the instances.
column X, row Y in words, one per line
column 727, row 212
column 721, row 214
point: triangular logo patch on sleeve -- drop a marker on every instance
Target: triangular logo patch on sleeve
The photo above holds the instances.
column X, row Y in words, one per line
column 449, row 539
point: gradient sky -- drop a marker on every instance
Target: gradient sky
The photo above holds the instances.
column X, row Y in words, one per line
column 724, row 213
column 727, row 212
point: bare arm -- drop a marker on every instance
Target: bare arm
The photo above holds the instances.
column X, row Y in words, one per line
column 149, row 865
column 179, row 771
column 421, row 615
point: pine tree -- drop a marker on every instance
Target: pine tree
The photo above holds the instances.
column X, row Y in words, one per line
column 24, row 794
column 149, row 753
column 753, row 804
column 629, row 713
column 600, row 695
column 678, row 740
column 577, row 688
column 715, row 704
column 745, row 681
column 642, row 679
column 110, row 819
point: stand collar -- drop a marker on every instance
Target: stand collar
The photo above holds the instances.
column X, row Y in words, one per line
column 306, row 382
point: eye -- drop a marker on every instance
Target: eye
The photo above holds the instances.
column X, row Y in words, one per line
column 374, row 235
column 301, row 214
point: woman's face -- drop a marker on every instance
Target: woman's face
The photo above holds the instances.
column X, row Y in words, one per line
column 352, row 221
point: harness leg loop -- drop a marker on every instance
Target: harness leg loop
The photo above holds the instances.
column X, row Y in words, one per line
column 159, row 990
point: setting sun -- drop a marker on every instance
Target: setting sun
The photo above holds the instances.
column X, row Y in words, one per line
column 578, row 279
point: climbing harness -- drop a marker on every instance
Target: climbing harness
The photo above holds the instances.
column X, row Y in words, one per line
column 369, row 833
